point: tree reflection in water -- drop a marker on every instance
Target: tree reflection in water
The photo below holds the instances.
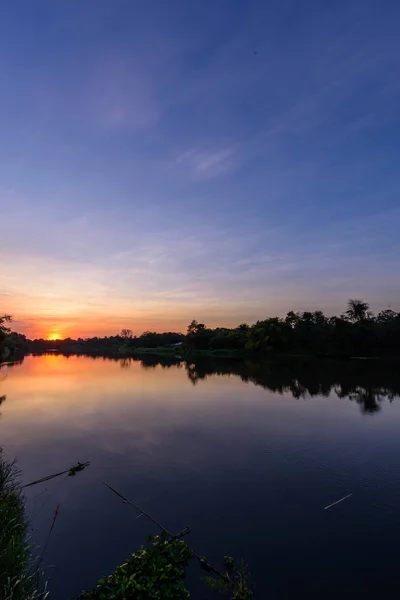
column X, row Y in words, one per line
column 366, row 383
column 2, row 399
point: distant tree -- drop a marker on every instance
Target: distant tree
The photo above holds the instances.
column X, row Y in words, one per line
column 319, row 318
column 386, row 316
column 358, row 310
column 268, row 335
column 17, row 341
column 292, row 318
column 4, row 331
column 198, row 336
column 127, row 334
column 194, row 328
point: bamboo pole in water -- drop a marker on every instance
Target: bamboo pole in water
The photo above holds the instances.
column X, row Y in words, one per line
column 203, row 563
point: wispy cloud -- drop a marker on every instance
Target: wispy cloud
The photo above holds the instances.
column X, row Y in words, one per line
column 205, row 164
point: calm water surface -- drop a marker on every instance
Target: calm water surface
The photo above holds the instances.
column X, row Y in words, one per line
column 247, row 455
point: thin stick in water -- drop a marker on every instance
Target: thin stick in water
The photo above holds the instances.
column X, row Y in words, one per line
column 50, row 532
column 204, row 564
column 143, row 512
column 337, row 501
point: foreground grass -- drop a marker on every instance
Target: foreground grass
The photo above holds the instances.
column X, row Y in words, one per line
column 19, row 578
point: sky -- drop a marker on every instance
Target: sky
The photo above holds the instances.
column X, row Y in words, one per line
column 218, row 160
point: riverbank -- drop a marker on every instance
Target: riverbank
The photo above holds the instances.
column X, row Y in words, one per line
column 19, row 578
column 186, row 353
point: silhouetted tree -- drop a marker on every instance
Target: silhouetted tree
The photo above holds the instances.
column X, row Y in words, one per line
column 198, row 336
column 386, row 316
column 127, row 334
column 4, row 330
column 357, row 310
column 195, row 328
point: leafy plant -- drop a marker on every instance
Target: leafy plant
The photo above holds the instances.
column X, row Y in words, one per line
column 155, row 572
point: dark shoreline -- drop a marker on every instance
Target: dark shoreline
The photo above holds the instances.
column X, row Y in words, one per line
column 185, row 355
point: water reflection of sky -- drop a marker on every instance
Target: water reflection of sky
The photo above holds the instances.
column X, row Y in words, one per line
column 233, row 459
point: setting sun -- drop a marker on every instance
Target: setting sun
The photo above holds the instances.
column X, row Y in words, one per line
column 54, row 337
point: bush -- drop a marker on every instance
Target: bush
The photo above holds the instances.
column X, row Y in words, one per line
column 155, row 572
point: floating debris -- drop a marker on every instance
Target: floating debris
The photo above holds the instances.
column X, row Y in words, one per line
column 72, row 471
column 337, row 501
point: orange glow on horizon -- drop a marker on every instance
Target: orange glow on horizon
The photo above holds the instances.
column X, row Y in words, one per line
column 86, row 325
column 53, row 337
column 59, row 327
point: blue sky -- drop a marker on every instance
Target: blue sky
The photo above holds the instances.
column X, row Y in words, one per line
column 219, row 160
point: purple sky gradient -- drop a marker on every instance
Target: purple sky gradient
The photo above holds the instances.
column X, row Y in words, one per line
column 224, row 161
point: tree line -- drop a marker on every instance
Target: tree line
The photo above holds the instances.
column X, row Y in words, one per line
column 123, row 343
column 357, row 332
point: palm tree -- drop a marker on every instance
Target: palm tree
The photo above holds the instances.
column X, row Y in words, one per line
column 358, row 310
